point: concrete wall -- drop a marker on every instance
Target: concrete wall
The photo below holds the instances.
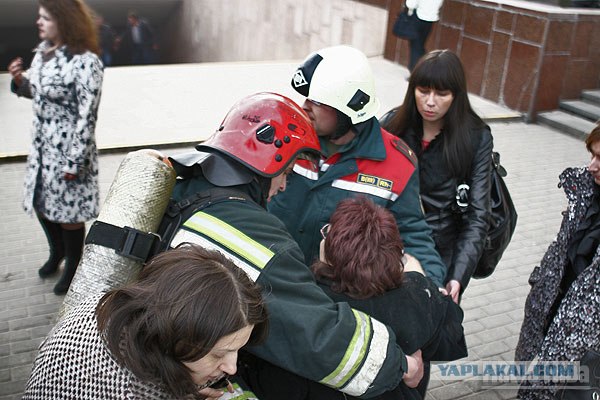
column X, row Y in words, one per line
column 520, row 54
column 254, row 30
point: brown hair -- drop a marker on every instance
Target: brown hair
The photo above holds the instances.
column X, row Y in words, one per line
column 75, row 24
column 363, row 250
column 593, row 137
column 184, row 301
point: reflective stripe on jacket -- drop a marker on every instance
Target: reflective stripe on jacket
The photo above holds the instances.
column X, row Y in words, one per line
column 377, row 165
column 310, row 335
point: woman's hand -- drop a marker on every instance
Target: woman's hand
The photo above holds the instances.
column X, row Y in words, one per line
column 453, row 288
column 16, row 70
column 212, row 393
column 413, row 376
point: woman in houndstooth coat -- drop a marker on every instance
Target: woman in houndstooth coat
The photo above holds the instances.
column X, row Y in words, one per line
column 64, row 82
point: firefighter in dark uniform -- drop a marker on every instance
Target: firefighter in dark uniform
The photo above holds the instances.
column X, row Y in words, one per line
column 226, row 185
column 359, row 159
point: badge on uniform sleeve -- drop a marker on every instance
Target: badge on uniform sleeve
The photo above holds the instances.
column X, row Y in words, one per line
column 374, row 181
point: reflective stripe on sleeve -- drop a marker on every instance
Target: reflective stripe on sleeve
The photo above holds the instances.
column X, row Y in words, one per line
column 236, row 243
column 362, row 188
column 305, row 172
column 184, row 236
column 376, row 356
column 363, row 359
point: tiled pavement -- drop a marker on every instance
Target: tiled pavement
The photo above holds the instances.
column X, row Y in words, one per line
column 532, row 154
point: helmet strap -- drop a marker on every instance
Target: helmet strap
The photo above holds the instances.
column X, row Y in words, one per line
column 264, row 185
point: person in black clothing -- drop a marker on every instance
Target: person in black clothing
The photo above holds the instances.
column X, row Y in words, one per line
column 138, row 40
column 106, row 38
column 362, row 262
column 454, row 147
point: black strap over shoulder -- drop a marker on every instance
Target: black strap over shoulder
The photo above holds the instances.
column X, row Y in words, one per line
column 127, row 242
column 141, row 246
column 179, row 212
column 205, row 198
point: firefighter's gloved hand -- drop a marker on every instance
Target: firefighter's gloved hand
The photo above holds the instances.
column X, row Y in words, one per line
column 413, row 376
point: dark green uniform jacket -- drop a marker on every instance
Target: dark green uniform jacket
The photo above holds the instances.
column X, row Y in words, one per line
column 375, row 164
column 310, row 334
column 419, row 315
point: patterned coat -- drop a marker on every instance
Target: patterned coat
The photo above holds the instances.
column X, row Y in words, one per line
column 93, row 373
column 65, row 90
column 575, row 326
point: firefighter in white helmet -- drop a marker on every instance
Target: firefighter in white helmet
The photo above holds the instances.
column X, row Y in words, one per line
column 359, row 159
column 221, row 197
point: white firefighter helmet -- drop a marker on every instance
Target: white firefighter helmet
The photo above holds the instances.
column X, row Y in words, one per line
column 340, row 77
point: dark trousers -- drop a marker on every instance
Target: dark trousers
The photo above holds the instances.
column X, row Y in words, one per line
column 142, row 54
column 417, row 46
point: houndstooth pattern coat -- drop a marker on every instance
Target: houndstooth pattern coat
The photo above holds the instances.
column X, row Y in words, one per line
column 74, row 362
column 65, row 90
column 575, row 326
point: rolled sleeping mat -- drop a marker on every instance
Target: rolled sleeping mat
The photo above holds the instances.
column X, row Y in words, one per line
column 133, row 209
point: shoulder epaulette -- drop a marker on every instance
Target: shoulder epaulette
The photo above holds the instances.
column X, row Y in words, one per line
column 405, row 149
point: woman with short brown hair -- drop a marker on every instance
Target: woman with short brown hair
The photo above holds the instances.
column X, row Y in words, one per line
column 362, row 262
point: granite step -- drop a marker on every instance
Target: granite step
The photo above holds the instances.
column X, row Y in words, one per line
column 582, row 108
column 593, row 96
column 566, row 122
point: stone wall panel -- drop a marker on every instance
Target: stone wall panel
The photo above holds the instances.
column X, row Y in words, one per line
column 449, row 38
column 453, row 12
column 521, row 74
column 271, row 30
column 527, row 44
column 552, row 76
column 496, row 67
column 529, row 28
column 474, row 50
column 504, row 21
column 479, row 23
column 560, row 36
column 583, row 36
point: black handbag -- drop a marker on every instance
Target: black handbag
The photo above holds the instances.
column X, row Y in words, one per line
column 503, row 220
column 405, row 26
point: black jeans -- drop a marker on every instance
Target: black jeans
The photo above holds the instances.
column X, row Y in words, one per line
column 417, row 46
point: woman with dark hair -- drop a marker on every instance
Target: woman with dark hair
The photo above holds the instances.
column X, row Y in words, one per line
column 362, row 262
column 168, row 335
column 562, row 310
column 454, row 147
column 64, row 82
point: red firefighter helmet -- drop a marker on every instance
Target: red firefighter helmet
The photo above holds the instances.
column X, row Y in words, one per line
column 264, row 132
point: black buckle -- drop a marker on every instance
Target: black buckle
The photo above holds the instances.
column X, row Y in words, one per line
column 138, row 245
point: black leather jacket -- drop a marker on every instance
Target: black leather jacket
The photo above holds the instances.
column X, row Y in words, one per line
column 459, row 236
